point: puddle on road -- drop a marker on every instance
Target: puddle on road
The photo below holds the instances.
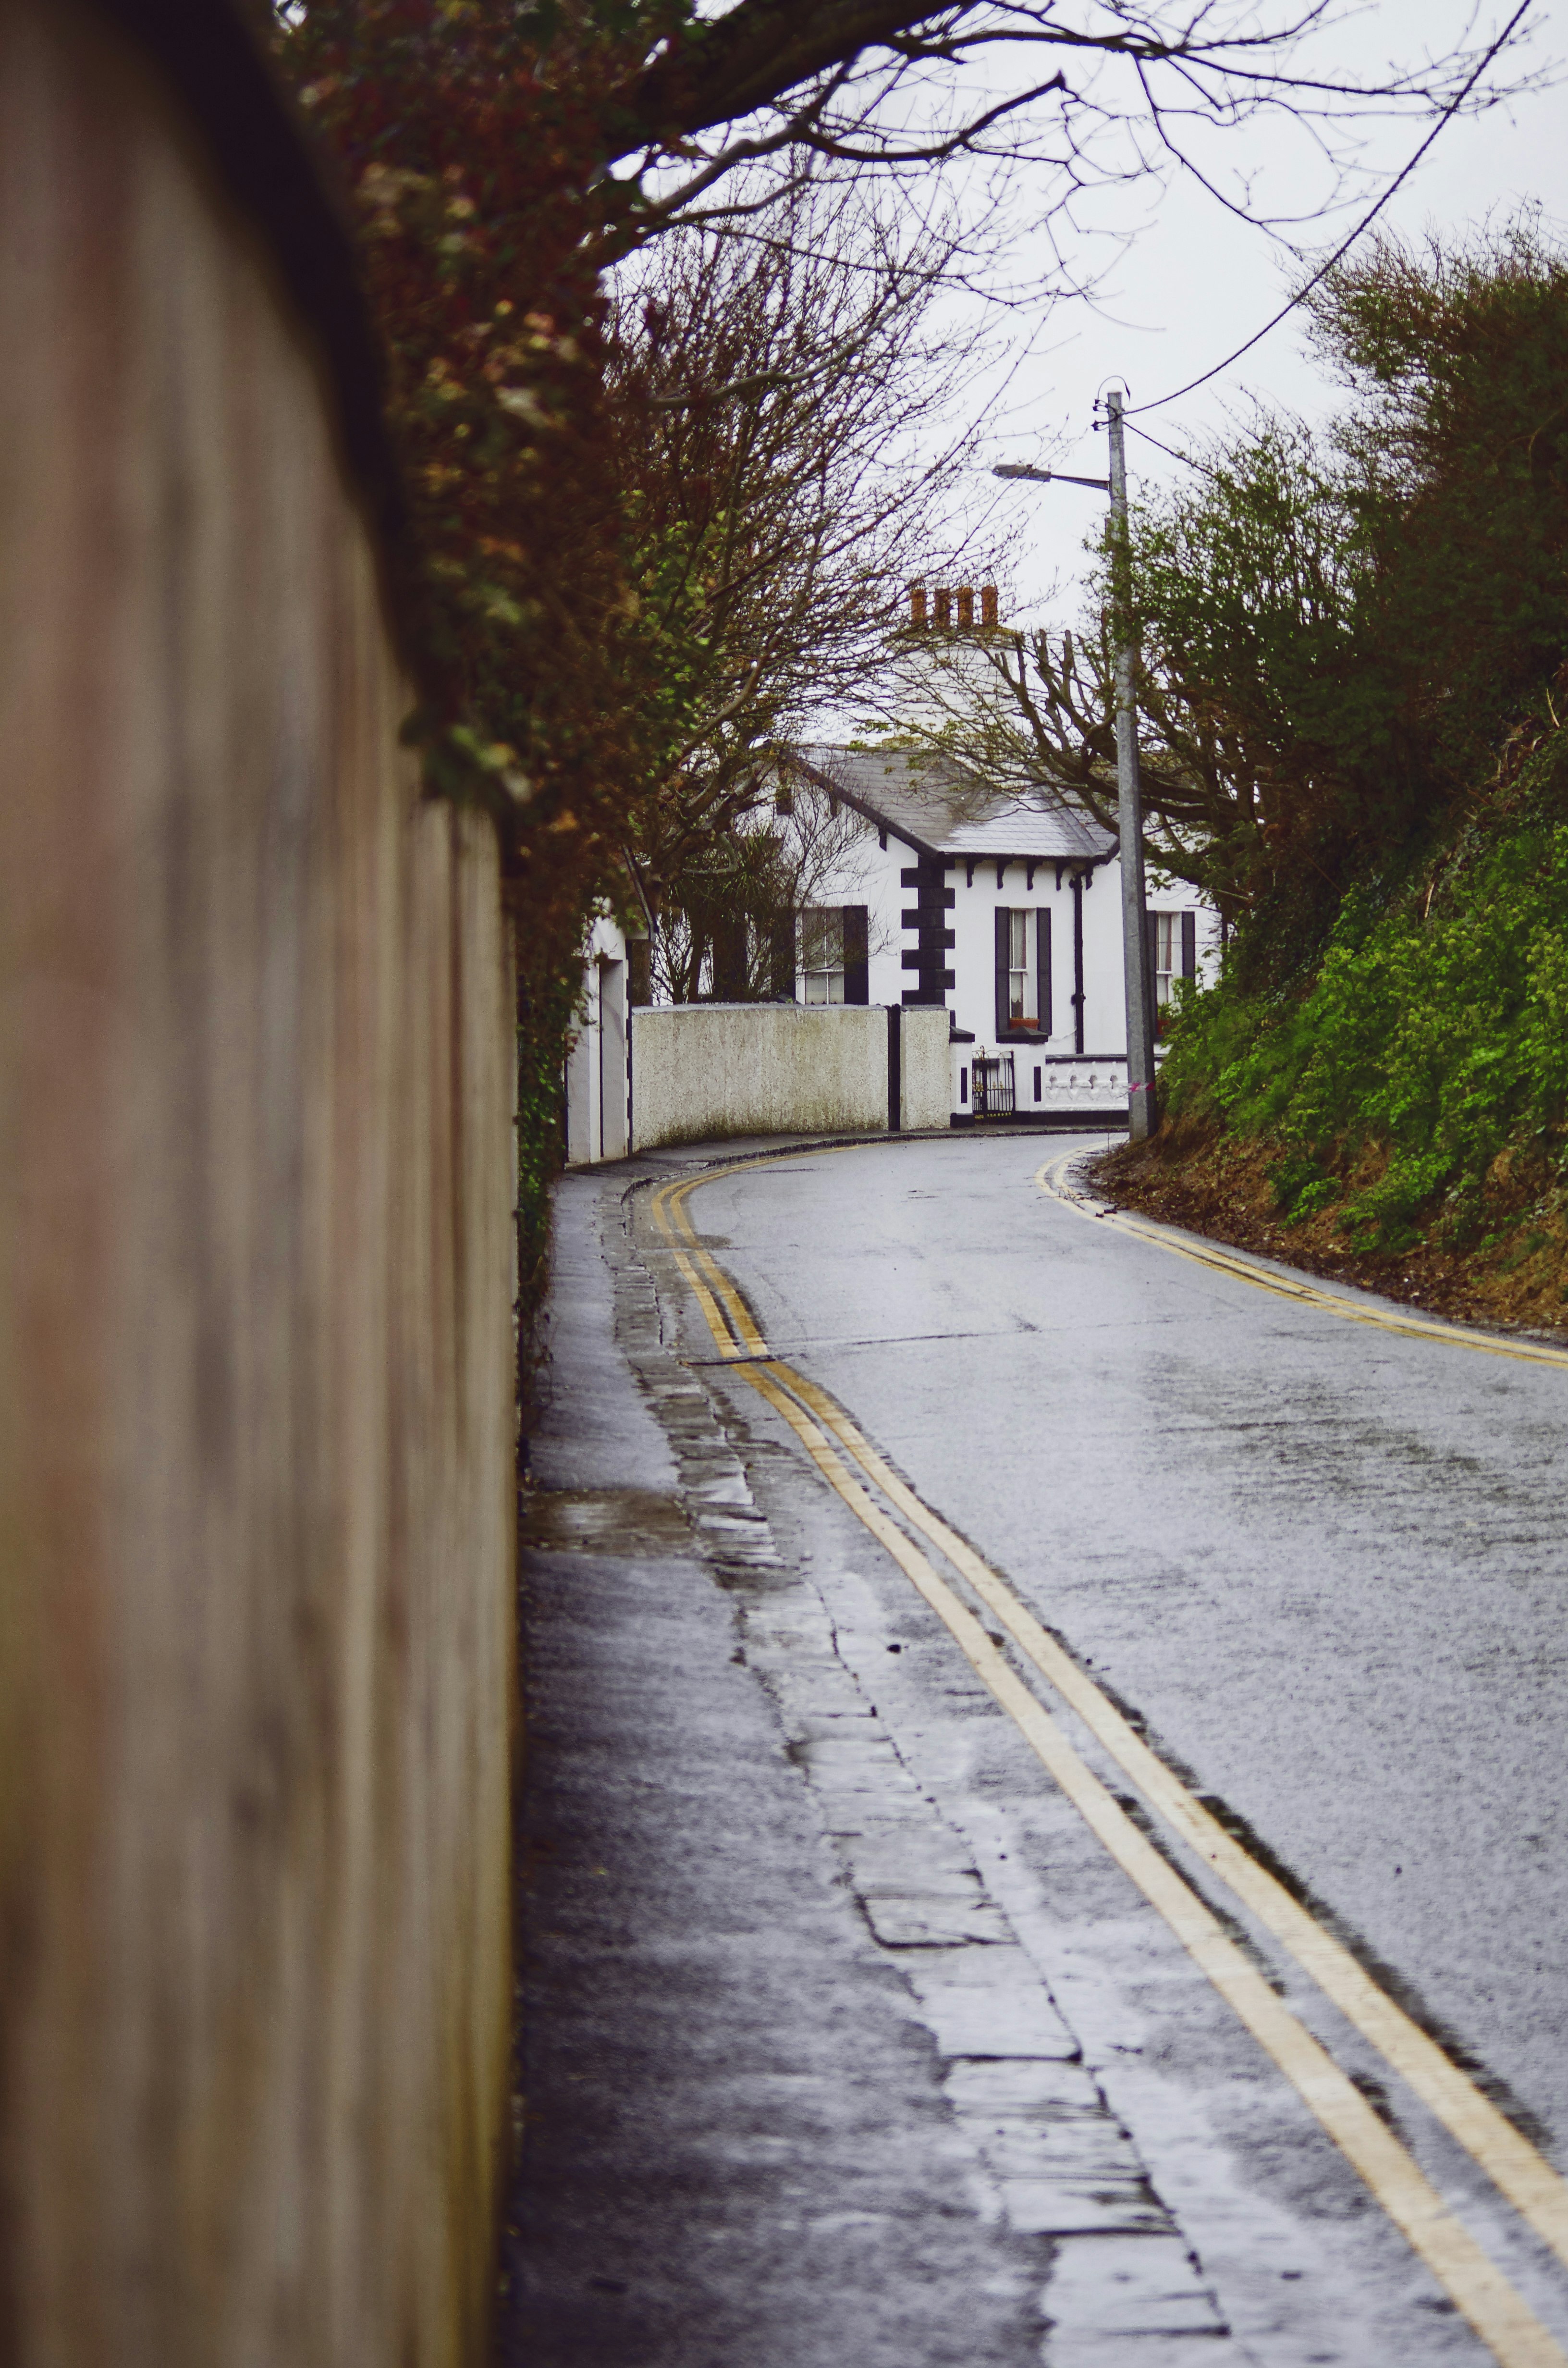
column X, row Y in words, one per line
column 604, row 1521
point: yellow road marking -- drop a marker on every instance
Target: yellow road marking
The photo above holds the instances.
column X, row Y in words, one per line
column 1048, row 1177
column 1515, row 2167
column 1500, row 2317
column 670, row 1201
column 1536, row 2191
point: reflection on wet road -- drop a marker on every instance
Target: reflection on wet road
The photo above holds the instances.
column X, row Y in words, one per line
column 1290, row 1566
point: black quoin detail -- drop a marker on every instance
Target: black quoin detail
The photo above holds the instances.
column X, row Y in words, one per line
column 932, row 899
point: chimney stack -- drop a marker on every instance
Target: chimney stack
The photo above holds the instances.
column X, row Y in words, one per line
column 988, row 603
column 917, row 606
column 966, row 607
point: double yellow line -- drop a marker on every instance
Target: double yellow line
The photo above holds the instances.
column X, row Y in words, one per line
column 1239, row 1267
column 835, row 1443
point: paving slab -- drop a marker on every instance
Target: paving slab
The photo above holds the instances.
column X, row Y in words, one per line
column 791, row 2090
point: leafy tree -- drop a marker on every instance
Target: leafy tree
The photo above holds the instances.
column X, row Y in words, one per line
column 468, row 173
column 1455, row 460
column 1342, row 636
column 1242, row 595
column 495, row 157
column 1393, row 1024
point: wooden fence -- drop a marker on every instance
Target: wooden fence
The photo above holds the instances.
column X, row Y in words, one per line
column 256, row 1380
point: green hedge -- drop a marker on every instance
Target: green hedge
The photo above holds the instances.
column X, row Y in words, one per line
column 1435, row 1025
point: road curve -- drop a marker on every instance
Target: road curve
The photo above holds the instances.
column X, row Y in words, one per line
column 1312, row 1569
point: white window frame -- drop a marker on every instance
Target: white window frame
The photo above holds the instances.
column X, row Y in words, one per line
column 820, row 934
column 1167, row 955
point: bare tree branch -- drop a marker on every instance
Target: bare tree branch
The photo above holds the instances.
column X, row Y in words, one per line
column 784, row 495
column 868, row 84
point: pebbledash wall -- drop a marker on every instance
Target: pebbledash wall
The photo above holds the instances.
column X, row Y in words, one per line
column 711, row 1070
column 255, row 1274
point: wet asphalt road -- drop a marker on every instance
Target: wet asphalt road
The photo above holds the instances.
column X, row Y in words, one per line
column 1326, row 1564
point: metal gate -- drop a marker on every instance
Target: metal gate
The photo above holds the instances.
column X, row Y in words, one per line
column 993, row 1086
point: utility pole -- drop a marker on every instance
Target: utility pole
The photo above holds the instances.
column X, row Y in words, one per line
column 1140, row 1105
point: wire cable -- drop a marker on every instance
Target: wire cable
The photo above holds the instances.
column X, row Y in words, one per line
column 1171, row 454
column 1366, row 222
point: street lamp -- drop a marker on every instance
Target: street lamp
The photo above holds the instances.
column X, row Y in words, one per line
column 1129, row 791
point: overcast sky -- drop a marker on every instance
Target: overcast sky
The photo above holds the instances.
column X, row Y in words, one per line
column 1193, row 282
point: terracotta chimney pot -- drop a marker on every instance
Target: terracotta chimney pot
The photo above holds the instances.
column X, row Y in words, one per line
column 917, row 606
column 944, row 611
column 966, row 607
column 988, row 603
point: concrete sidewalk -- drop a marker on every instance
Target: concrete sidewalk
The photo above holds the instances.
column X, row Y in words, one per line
column 762, row 2125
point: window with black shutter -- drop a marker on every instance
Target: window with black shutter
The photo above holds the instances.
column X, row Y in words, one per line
column 730, row 964
column 834, row 952
column 1023, row 971
column 1042, row 970
column 857, row 954
column 1004, row 967
column 1174, row 945
column 781, row 957
column 1173, row 954
column 822, row 953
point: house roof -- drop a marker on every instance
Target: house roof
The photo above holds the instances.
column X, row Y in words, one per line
column 935, row 806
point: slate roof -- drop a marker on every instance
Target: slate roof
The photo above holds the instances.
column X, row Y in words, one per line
column 934, row 805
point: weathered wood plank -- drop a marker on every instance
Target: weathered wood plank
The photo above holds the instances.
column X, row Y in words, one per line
column 254, row 1330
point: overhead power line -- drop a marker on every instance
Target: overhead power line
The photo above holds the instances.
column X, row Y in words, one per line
column 1169, row 451
column 1366, row 221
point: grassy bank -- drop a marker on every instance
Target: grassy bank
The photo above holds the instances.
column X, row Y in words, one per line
column 1397, row 1116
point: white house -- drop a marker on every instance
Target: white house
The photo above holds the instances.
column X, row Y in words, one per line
column 635, row 1077
column 1001, row 913
column 1007, row 910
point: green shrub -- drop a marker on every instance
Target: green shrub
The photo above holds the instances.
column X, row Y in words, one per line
column 1436, row 1027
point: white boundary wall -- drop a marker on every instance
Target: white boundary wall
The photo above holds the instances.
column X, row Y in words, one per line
column 595, row 1058
column 928, row 1097
column 705, row 1070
